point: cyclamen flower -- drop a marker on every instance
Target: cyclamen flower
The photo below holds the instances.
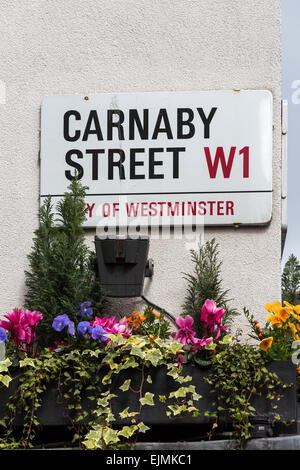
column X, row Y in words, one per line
column 212, row 316
column 33, row 317
column 22, row 325
column 201, row 343
column 185, row 334
column 3, row 335
column 111, row 325
column 86, row 310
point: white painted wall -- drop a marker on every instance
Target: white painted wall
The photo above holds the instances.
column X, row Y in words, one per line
column 50, row 46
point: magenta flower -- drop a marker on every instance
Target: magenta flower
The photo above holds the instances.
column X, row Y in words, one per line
column 21, row 325
column 201, row 343
column 33, row 318
column 113, row 326
column 212, row 316
column 185, row 334
column 18, row 325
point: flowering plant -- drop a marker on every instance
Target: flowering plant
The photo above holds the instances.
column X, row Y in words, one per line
column 281, row 329
column 107, row 348
column 196, row 349
column 20, row 328
column 92, row 331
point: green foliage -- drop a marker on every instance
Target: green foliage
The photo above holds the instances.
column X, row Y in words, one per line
column 206, row 283
column 5, row 377
column 62, row 268
column 155, row 324
column 74, row 373
column 239, row 374
column 290, row 280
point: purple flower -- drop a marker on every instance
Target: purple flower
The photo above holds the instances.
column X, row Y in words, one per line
column 99, row 333
column 85, row 309
column 71, row 329
column 185, row 333
column 3, row 335
column 212, row 316
column 60, row 322
column 84, row 328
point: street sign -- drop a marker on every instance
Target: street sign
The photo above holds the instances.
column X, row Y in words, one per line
column 162, row 158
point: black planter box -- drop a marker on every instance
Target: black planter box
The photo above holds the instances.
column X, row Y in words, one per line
column 51, row 414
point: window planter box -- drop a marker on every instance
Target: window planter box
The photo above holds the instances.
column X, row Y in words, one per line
column 52, row 414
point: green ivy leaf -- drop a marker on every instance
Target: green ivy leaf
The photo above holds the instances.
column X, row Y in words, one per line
column 154, row 356
column 110, row 436
column 142, row 427
column 177, row 409
column 131, row 362
column 4, row 365
column 126, row 414
column 5, row 379
column 125, row 385
column 28, row 361
column 128, row 431
column 137, row 351
column 180, row 393
column 226, row 340
column 175, row 347
column 147, row 399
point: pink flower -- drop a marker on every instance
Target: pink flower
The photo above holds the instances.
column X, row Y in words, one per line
column 201, row 343
column 18, row 325
column 33, row 318
column 111, row 325
column 212, row 316
column 22, row 325
column 185, row 333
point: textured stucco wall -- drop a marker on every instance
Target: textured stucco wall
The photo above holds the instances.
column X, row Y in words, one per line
column 50, row 46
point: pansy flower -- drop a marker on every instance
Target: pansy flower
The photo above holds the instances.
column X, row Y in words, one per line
column 85, row 309
column 85, row 328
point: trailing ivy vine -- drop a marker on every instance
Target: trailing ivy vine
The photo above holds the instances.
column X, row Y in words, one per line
column 73, row 373
column 239, row 375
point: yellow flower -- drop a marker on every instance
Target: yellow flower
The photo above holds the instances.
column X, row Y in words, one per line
column 297, row 317
column 294, row 330
column 266, row 343
column 280, row 314
column 284, row 314
column 295, row 308
column 275, row 320
column 274, row 307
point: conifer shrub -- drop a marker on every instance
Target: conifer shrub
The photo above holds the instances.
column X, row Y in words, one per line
column 205, row 282
column 62, row 269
